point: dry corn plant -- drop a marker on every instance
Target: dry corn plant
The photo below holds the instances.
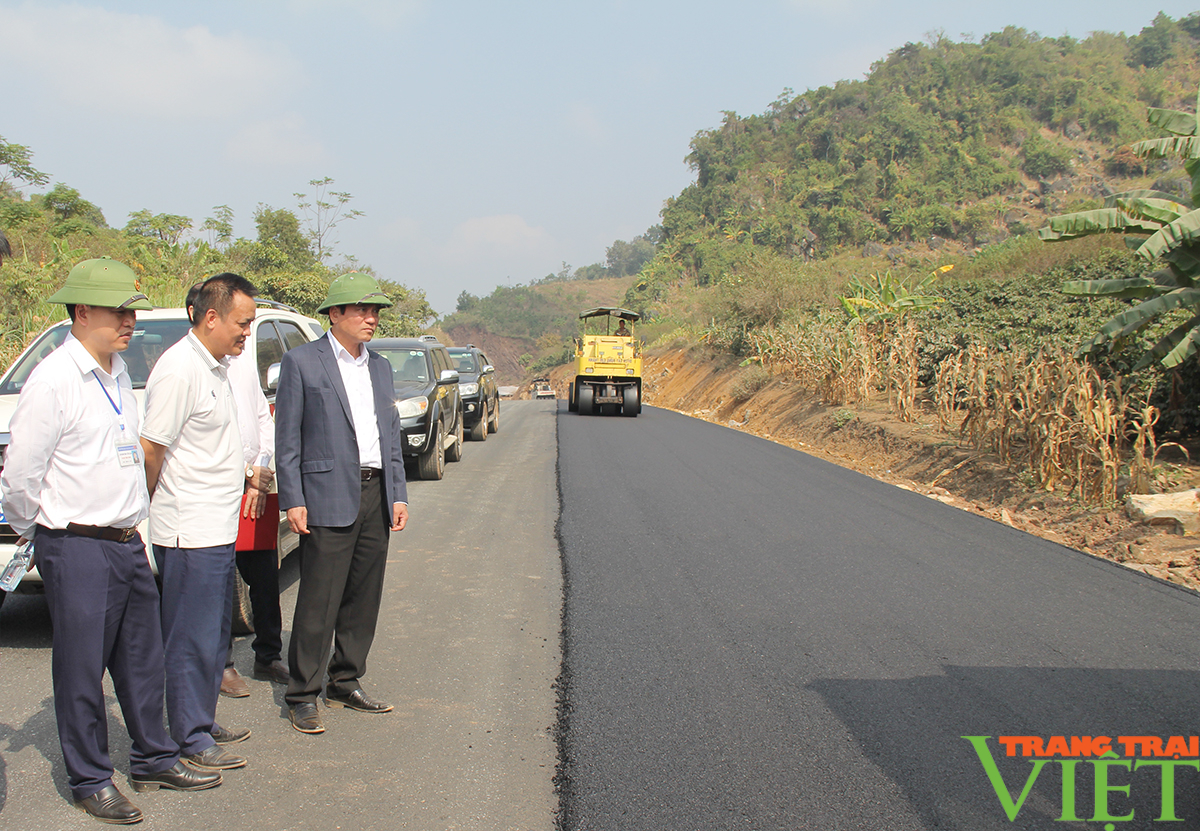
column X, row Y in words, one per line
column 902, row 370
column 1048, row 411
column 1141, row 465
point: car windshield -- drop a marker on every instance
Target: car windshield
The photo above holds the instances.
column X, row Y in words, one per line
column 464, row 362
column 408, row 366
column 150, row 339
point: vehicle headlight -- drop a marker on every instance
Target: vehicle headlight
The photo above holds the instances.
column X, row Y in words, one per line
column 468, row 389
column 411, row 407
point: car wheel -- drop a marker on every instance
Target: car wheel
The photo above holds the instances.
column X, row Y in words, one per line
column 586, row 395
column 454, row 452
column 632, row 404
column 480, row 431
column 243, row 618
column 432, row 463
column 494, row 425
column 572, row 401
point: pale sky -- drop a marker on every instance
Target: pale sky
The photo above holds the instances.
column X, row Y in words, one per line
column 486, row 142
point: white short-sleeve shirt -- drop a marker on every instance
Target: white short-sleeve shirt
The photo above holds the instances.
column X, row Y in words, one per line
column 190, row 410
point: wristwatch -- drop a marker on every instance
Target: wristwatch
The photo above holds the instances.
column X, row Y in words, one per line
column 249, row 471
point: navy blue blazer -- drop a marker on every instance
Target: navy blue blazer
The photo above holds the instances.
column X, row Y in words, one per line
column 316, row 450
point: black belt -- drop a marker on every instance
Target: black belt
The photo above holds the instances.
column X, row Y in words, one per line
column 369, row 473
column 101, row 532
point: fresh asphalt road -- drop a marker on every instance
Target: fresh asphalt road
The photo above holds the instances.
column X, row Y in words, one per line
column 467, row 649
column 756, row 639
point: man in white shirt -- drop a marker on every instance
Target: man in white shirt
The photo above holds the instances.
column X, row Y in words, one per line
column 195, row 474
column 341, row 481
column 258, row 567
column 73, row 482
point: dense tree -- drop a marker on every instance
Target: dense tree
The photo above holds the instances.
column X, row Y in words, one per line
column 279, row 228
column 165, row 228
column 71, row 213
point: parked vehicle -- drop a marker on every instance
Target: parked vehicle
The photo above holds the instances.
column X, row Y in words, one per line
column 608, row 365
column 428, row 399
column 477, row 385
column 276, row 329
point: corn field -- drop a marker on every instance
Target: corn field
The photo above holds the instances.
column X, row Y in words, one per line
column 1045, row 412
column 844, row 364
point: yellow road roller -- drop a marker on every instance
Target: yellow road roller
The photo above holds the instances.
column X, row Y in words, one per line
column 608, row 364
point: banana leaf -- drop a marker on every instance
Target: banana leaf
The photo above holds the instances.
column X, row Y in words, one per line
column 1168, row 344
column 1111, row 201
column 1123, row 288
column 1184, row 263
column 1181, row 232
column 1173, row 121
column 1146, row 312
column 1192, row 166
column 1085, row 223
column 1154, row 210
column 1187, row 147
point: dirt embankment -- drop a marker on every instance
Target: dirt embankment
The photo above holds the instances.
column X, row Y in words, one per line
column 917, row 457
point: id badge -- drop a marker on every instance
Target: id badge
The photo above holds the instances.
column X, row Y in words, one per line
column 129, row 452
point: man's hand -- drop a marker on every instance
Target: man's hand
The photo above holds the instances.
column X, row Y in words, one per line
column 298, row 519
column 263, row 477
column 399, row 516
column 255, row 504
column 155, row 455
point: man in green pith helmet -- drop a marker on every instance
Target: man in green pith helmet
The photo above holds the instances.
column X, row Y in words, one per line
column 76, row 425
column 340, row 469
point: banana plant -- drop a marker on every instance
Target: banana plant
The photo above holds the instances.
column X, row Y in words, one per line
column 1161, row 228
column 885, row 298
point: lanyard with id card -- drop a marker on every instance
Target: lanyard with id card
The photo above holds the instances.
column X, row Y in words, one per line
column 129, row 452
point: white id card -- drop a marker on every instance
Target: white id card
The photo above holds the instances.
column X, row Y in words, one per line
column 129, row 454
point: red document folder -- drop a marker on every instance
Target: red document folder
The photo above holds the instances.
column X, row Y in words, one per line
column 259, row 534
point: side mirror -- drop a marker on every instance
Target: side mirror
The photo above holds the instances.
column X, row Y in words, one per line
column 448, row 376
column 273, row 376
column 489, row 368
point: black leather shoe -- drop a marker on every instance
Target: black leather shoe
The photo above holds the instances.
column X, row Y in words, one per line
column 357, row 700
column 110, row 805
column 223, row 736
column 180, row 777
column 305, row 717
column 216, row 758
column 275, row 672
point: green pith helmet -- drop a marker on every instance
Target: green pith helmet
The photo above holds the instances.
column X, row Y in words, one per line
column 354, row 287
column 102, row 282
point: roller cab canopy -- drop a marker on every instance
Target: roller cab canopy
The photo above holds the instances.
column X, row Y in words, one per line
column 610, row 311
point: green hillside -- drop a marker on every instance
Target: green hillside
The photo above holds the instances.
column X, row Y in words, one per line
column 957, row 144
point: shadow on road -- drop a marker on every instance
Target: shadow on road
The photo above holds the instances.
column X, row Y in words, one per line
column 912, row 729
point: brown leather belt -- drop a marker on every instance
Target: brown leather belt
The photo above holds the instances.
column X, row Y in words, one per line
column 101, row 532
column 369, row 473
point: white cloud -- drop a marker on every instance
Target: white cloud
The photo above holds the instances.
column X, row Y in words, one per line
column 504, row 237
column 96, row 60
column 280, row 141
